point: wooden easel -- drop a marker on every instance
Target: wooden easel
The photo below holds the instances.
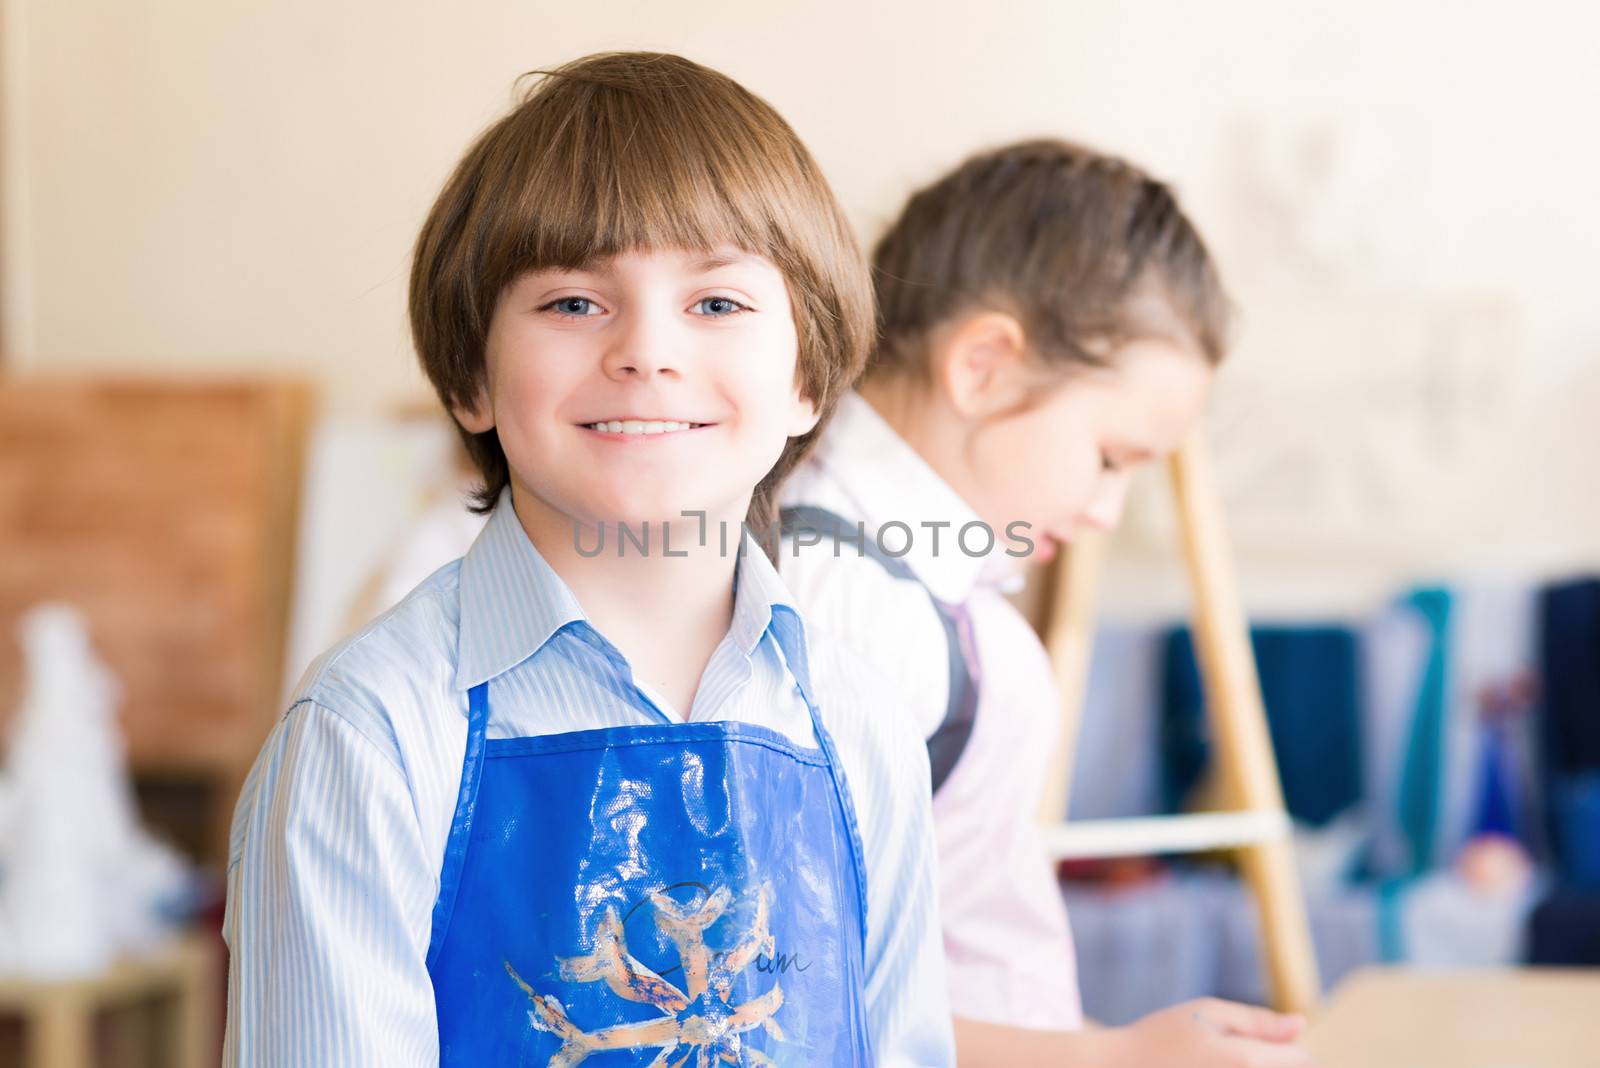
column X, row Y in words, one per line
column 1255, row 827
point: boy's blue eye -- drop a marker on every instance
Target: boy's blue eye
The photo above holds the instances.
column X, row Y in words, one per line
column 572, row 306
column 719, row 306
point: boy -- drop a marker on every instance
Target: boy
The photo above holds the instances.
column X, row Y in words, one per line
column 595, row 787
column 1049, row 321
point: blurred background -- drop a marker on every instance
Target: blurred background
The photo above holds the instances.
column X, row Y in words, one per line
column 216, row 447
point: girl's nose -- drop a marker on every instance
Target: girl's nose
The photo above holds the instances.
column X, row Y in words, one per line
column 1104, row 510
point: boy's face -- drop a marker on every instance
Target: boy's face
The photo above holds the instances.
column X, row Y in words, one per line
column 643, row 386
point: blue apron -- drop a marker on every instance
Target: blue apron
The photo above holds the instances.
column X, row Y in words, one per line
column 684, row 894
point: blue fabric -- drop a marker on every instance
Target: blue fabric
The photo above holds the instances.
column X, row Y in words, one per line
column 1496, row 787
column 1569, row 654
column 693, row 887
column 1577, row 805
column 1569, row 648
column 1564, row 931
column 1309, row 684
column 1418, row 800
column 1390, row 896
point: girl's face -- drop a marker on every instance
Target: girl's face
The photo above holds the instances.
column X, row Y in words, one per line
column 643, row 386
column 1063, row 462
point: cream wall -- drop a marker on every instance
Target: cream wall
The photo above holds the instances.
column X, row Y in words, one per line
column 1402, row 195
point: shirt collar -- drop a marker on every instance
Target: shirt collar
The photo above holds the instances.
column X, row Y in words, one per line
column 763, row 604
column 888, row 482
column 512, row 601
column 758, row 593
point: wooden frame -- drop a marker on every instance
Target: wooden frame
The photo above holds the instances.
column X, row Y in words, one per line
column 1256, row 827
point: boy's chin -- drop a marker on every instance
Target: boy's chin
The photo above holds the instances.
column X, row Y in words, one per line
column 687, row 519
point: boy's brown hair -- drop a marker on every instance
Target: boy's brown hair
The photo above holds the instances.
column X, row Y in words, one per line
column 624, row 151
column 1073, row 242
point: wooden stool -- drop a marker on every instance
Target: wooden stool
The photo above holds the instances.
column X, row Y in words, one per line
column 59, row 1017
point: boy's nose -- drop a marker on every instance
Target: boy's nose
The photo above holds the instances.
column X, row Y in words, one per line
column 641, row 348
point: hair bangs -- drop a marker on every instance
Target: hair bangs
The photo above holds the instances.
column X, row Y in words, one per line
column 652, row 168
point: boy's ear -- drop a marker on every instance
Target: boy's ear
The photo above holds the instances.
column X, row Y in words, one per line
column 477, row 417
column 803, row 415
column 980, row 361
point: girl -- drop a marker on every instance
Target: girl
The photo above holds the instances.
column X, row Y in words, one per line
column 1049, row 322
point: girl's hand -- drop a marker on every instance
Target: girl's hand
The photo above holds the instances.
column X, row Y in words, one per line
column 1209, row 1033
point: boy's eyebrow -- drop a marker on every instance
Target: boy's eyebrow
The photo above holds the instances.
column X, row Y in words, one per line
column 603, row 265
column 598, row 267
column 717, row 260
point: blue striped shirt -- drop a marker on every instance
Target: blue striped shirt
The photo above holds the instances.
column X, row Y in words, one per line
column 339, row 833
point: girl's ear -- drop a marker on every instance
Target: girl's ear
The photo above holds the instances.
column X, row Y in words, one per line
column 477, row 417
column 980, row 363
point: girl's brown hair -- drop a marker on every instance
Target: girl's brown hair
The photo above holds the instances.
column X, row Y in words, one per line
column 626, row 151
column 1073, row 242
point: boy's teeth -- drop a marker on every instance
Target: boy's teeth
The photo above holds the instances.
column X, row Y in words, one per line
column 640, row 426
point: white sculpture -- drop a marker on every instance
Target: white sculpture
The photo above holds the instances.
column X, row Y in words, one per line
column 81, row 883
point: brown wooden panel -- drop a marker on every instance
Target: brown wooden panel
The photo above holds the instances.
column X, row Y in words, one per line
column 165, row 510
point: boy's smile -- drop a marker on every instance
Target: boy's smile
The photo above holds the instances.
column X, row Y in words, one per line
column 643, row 385
column 641, row 426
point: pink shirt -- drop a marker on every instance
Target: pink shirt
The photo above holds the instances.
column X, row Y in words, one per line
column 1007, row 942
